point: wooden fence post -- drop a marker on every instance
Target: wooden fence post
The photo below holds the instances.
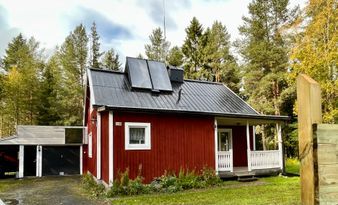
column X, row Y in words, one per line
column 309, row 113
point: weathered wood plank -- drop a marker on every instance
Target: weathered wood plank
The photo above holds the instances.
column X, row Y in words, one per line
column 327, row 154
column 309, row 113
column 327, row 138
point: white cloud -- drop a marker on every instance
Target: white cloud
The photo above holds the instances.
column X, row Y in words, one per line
column 48, row 21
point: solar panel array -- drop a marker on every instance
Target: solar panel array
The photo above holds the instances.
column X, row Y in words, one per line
column 148, row 74
column 138, row 73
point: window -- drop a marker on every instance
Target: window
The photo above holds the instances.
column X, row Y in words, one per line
column 90, row 145
column 137, row 136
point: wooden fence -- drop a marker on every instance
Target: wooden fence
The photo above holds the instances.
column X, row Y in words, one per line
column 318, row 147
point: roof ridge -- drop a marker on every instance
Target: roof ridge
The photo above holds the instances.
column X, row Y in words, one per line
column 107, row 71
column 203, row 81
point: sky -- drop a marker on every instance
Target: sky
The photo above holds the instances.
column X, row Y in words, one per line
column 124, row 25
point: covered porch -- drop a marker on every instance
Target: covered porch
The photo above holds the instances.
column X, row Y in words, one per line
column 236, row 150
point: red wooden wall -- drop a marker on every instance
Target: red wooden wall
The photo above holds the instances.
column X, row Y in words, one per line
column 176, row 141
column 105, row 146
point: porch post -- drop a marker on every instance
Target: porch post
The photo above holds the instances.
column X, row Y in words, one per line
column 280, row 147
column 216, row 146
column 248, row 145
column 254, row 137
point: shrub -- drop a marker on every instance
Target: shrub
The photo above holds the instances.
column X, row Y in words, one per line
column 91, row 186
column 167, row 183
column 188, row 179
column 209, row 177
column 123, row 185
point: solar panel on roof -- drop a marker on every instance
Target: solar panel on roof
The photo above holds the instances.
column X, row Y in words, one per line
column 159, row 76
column 138, row 73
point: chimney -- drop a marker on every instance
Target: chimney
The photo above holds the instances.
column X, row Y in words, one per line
column 175, row 74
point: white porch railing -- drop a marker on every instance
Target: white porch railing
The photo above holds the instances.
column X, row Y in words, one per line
column 265, row 159
column 225, row 161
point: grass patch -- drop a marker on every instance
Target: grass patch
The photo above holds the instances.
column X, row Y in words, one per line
column 274, row 190
column 292, row 166
column 8, row 184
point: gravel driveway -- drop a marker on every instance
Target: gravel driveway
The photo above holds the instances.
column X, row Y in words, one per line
column 46, row 190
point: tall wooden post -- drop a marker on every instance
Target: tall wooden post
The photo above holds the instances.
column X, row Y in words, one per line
column 309, row 113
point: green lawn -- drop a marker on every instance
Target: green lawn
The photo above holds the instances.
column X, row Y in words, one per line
column 273, row 190
column 292, row 166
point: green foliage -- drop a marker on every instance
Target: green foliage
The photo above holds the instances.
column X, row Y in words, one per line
column 95, row 53
column 167, row 183
column 208, row 175
column 158, row 48
column 315, row 52
column 111, row 60
column 91, row 186
column 50, row 94
column 264, row 49
column 175, row 57
column 192, row 49
column 20, row 86
column 292, row 165
column 73, row 59
column 123, row 185
column 219, row 64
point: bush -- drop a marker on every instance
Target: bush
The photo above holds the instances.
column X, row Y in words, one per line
column 189, row 179
column 123, row 185
column 167, row 183
column 209, row 177
column 91, row 186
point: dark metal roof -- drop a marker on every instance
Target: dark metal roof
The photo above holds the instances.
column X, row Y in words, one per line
column 112, row 90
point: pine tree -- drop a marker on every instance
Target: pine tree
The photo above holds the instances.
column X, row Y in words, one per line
column 192, row 49
column 73, row 58
column 158, row 48
column 16, row 53
column 175, row 57
column 21, row 84
column 95, row 53
column 220, row 64
column 315, row 52
column 264, row 51
column 50, row 109
column 111, row 60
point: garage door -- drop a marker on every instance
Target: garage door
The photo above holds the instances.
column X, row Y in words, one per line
column 57, row 160
column 9, row 163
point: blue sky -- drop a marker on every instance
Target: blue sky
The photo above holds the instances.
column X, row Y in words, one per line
column 122, row 24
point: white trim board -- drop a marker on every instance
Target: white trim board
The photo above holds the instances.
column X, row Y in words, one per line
column 111, row 147
column 98, row 147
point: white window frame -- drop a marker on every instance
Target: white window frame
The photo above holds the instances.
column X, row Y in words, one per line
column 90, row 145
column 147, row 139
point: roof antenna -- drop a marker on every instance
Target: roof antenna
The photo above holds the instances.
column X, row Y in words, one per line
column 164, row 28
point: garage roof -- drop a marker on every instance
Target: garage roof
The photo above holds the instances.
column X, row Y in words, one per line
column 38, row 135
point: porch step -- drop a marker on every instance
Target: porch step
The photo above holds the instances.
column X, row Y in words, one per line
column 245, row 176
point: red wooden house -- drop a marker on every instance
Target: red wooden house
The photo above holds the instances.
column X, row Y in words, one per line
column 149, row 116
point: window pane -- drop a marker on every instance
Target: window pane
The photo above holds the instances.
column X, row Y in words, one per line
column 137, row 135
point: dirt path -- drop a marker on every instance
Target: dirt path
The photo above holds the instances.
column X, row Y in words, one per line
column 46, row 190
